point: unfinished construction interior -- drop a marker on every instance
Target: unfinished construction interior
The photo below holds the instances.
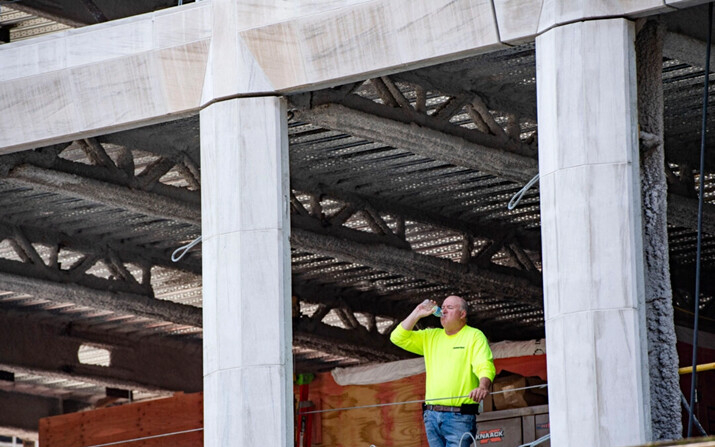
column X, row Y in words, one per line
column 394, row 179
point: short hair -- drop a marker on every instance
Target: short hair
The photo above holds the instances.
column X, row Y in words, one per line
column 462, row 303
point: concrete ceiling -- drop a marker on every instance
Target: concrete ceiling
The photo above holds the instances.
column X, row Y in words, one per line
column 399, row 189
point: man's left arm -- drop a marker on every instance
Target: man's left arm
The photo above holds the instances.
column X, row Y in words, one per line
column 482, row 391
column 482, row 367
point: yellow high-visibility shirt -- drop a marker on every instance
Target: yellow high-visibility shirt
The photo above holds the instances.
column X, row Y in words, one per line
column 454, row 363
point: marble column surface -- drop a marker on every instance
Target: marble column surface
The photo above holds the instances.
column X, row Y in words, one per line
column 246, row 289
column 591, row 234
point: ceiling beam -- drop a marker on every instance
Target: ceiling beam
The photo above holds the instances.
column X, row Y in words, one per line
column 141, row 202
column 355, row 300
column 391, row 307
column 155, row 363
column 529, row 239
column 163, row 310
column 467, row 75
column 421, row 140
column 105, row 169
column 359, row 344
column 183, row 314
column 466, row 277
column 96, row 245
column 490, row 133
column 33, row 271
column 120, row 302
column 167, row 139
column 87, row 395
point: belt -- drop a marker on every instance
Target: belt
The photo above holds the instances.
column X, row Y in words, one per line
column 443, row 408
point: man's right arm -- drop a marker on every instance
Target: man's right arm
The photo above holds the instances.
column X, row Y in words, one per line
column 422, row 310
column 403, row 335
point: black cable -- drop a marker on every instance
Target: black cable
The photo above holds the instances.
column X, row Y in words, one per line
column 701, row 195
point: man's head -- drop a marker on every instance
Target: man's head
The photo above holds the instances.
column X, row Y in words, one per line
column 454, row 314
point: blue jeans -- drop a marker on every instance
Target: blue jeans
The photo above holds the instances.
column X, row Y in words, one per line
column 446, row 429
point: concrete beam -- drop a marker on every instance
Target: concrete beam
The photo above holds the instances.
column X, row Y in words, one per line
column 155, row 66
column 152, row 66
column 522, row 20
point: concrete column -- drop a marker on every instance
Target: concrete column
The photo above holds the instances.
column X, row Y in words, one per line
column 246, row 273
column 592, row 235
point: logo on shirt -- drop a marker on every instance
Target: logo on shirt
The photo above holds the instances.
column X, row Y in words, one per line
column 459, row 347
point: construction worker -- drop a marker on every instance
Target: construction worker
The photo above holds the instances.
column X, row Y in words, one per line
column 458, row 362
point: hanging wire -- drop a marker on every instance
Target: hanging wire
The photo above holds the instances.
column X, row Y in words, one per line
column 181, row 251
column 701, row 198
column 517, row 197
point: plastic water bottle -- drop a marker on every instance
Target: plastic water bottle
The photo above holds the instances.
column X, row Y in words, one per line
column 436, row 310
